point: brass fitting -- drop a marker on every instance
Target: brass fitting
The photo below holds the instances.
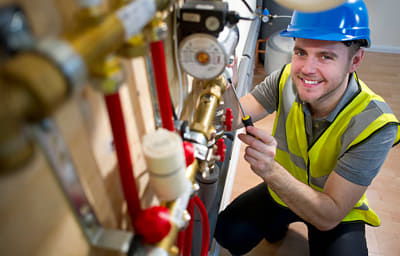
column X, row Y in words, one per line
column 163, row 4
column 210, row 99
column 35, row 83
column 115, row 4
column 15, row 149
column 108, row 36
column 98, row 41
column 92, row 15
column 134, row 47
column 159, row 29
column 26, row 96
column 205, row 112
column 45, row 85
column 107, row 75
column 168, row 243
column 137, row 46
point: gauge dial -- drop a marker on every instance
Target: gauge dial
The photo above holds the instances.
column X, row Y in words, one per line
column 202, row 56
column 212, row 23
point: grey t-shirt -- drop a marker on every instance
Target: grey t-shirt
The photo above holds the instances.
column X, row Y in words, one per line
column 360, row 164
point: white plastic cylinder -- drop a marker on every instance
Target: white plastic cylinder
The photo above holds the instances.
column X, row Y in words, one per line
column 166, row 163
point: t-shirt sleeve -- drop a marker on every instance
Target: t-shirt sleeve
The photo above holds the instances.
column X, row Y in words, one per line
column 362, row 163
column 266, row 92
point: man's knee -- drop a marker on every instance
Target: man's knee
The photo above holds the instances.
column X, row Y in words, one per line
column 345, row 239
column 239, row 237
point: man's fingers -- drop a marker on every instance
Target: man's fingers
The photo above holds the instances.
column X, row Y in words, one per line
column 261, row 135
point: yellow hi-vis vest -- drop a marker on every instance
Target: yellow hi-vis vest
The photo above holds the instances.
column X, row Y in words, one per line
column 364, row 115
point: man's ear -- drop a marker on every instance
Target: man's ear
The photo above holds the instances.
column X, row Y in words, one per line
column 356, row 60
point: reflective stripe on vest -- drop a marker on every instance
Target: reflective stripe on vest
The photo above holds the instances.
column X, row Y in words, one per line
column 364, row 115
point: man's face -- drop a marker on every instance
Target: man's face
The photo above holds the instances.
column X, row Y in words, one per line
column 320, row 70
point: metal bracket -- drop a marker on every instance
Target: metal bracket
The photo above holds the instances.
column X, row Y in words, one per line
column 55, row 149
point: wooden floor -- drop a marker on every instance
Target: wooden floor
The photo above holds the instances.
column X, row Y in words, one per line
column 382, row 74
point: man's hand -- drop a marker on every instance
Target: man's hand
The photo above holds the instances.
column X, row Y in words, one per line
column 260, row 152
column 323, row 209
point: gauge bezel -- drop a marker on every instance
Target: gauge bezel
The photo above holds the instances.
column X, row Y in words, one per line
column 207, row 71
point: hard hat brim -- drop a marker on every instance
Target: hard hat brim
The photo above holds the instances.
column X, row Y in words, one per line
column 360, row 34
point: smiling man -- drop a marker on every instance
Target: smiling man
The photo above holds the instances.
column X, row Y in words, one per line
column 331, row 136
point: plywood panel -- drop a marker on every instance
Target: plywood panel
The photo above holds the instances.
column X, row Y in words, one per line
column 35, row 217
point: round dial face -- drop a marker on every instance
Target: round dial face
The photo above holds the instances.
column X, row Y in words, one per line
column 201, row 56
column 212, row 23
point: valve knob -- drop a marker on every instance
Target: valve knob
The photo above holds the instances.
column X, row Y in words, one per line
column 189, row 152
column 228, row 119
column 153, row 224
column 221, row 148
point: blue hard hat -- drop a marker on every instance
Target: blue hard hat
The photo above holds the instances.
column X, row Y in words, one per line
column 347, row 22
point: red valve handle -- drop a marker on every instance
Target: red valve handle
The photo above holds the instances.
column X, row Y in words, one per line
column 221, row 148
column 153, row 224
column 189, row 152
column 228, row 119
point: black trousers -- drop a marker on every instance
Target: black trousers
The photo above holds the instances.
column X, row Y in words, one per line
column 254, row 216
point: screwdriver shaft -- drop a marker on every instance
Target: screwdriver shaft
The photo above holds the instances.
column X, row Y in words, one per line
column 238, row 100
column 246, row 119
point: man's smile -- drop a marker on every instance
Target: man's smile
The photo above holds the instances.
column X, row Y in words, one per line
column 310, row 83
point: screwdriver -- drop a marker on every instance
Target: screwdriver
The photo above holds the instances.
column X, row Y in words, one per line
column 246, row 119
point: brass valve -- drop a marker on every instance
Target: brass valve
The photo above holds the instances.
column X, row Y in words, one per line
column 209, row 101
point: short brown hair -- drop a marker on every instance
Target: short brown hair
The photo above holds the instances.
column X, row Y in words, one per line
column 354, row 45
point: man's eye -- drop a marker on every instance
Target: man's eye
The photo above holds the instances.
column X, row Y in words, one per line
column 298, row 53
column 326, row 57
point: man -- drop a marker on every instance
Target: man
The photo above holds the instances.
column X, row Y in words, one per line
column 331, row 136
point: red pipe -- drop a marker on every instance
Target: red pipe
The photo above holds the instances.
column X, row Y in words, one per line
column 165, row 107
column 115, row 114
column 187, row 246
column 161, row 78
column 205, row 240
column 180, row 242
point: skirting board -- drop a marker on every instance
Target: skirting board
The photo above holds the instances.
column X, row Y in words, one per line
column 384, row 49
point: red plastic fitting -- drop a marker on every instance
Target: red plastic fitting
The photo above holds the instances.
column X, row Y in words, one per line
column 221, row 148
column 153, row 224
column 189, row 152
column 228, row 119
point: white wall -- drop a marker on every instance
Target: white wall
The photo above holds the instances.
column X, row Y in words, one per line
column 237, row 5
column 385, row 25
column 384, row 19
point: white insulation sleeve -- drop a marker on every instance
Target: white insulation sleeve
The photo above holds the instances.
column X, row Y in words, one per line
column 165, row 160
column 135, row 15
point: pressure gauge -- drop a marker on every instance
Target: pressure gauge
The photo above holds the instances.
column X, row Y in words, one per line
column 202, row 56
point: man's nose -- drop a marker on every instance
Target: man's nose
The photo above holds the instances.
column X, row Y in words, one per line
column 309, row 65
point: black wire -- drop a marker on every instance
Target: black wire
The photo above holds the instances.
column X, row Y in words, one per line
column 248, row 18
column 248, row 6
column 173, row 109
